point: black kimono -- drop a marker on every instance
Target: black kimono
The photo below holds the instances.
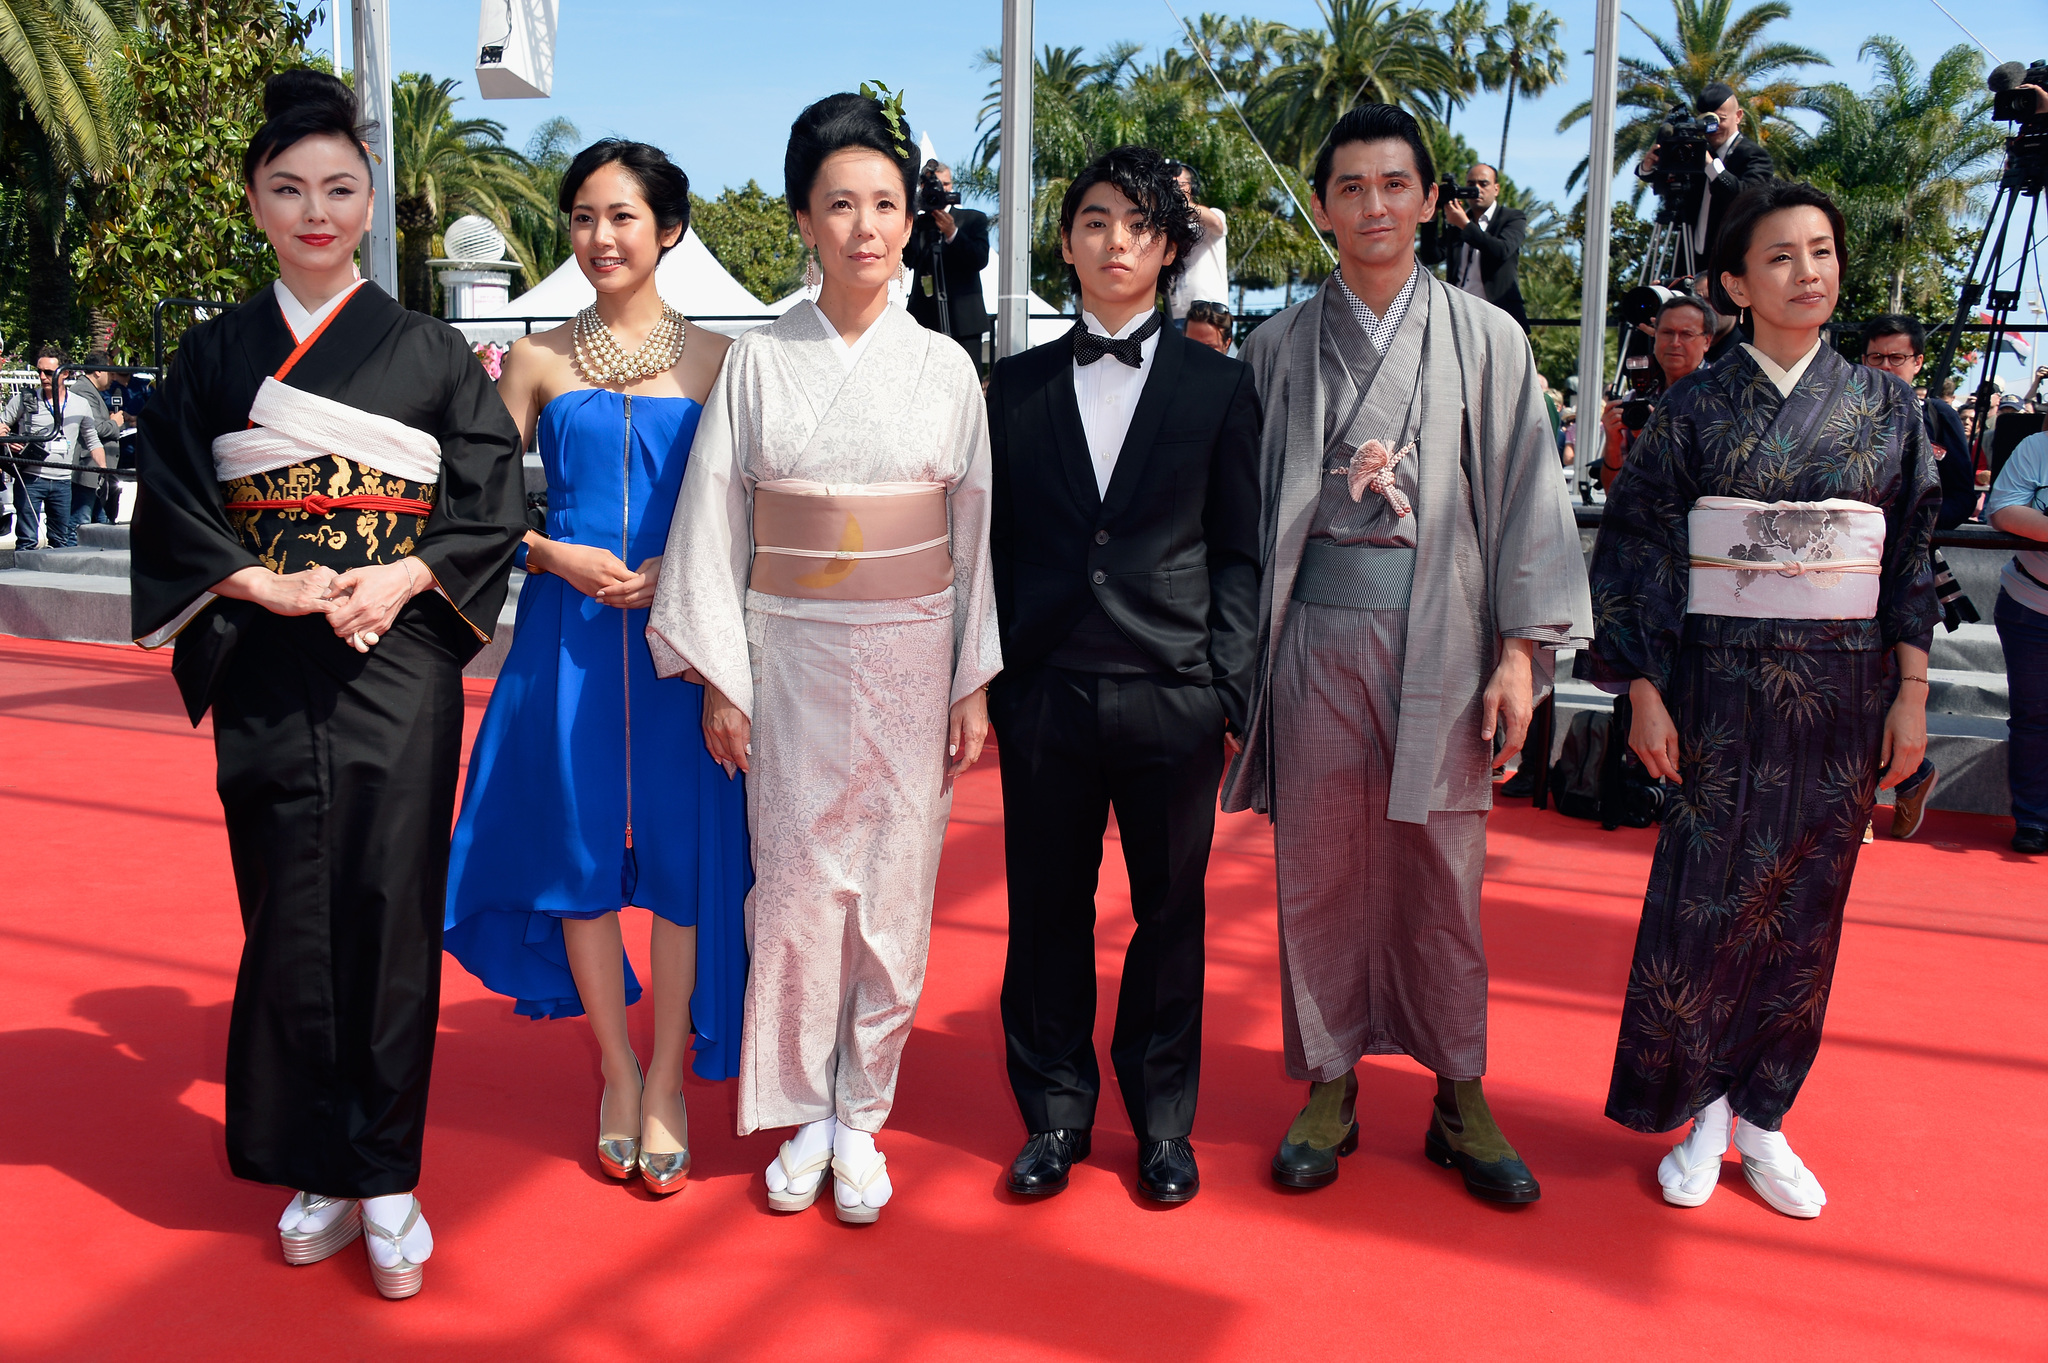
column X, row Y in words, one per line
column 337, row 769
column 1780, row 726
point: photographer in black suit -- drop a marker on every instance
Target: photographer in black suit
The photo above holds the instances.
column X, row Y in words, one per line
column 1733, row 164
column 947, row 252
column 1481, row 245
column 1125, row 546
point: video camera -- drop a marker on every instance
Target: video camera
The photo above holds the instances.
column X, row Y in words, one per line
column 1450, row 189
column 932, row 194
column 2026, row 152
column 1682, row 150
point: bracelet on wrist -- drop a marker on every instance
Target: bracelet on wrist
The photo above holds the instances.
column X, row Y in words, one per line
column 1921, row 680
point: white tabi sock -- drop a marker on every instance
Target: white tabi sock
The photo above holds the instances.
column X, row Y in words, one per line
column 855, row 1150
column 811, row 1140
column 1693, row 1166
column 297, row 1218
column 1790, row 1178
column 390, row 1213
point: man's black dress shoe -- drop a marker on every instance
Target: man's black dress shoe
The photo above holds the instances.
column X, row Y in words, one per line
column 2030, row 841
column 1040, row 1169
column 1166, row 1171
column 1522, row 785
column 1500, row 1180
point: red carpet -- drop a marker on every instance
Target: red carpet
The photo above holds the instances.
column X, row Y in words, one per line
column 124, row 1236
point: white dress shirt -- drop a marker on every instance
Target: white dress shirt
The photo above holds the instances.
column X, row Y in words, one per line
column 1716, row 163
column 1107, row 392
column 1470, row 279
column 299, row 318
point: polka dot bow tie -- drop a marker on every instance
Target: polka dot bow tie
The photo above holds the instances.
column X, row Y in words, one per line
column 1088, row 347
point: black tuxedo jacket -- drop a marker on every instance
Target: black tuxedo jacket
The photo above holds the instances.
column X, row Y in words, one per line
column 1499, row 245
column 1171, row 553
column 965, row 257
column 1743, row 164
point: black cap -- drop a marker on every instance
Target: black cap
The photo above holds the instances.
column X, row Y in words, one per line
column 1713, row 97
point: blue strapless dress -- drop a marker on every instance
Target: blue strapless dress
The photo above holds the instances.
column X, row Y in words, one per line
column 542, row 835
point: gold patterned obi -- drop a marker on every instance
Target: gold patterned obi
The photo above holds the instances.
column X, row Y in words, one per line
column 295, row 504
column 329, row 511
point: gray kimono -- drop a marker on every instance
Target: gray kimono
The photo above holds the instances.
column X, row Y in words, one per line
column 1365, row 749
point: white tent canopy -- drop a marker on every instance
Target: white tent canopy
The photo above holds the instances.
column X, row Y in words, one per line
column 1040, row 332
column 689, row 277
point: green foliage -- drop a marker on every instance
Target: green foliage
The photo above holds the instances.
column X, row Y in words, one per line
column 61, row 61
column 1522, row 54
column 1904, row 163
column 444, row 167
column 540, row 235
column 750, row 232
column 1707, row 46
column 173, row 221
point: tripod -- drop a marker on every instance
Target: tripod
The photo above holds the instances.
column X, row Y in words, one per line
column 2024, row 177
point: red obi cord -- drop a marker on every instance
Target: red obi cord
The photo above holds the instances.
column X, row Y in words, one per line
column 313, row 504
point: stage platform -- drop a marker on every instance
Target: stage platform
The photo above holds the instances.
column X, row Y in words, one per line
column 125, row 1238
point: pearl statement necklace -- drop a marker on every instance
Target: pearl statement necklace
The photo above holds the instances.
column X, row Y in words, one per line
column 601, row 362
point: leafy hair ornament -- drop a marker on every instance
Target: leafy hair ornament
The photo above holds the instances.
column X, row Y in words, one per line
column 892, row 109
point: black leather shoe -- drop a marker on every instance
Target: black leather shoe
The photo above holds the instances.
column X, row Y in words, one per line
column 1040, row 1169
column 1331, row 1114
column 1522, row 785
column 1166, row 1171
column 1501, row 1180
column 2030, row 841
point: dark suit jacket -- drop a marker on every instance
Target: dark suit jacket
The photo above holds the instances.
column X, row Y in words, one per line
column 1958, row 468
column 965, row 257
column 1744, row 164
column 1171, row 553
column 1499, row 245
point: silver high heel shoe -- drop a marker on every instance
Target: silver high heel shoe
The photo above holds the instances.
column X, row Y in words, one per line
column 310, row 1247
column 618, row 1155
column 666, row 1171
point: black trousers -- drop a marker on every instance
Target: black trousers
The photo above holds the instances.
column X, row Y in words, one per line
column 1074, row 746
column 337, row 776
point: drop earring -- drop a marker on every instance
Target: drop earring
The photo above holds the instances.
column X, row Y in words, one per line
column 814, row 277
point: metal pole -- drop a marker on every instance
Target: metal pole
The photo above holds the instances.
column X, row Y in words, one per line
column 1593, row 255
column 371, row 36
column 1013, row 214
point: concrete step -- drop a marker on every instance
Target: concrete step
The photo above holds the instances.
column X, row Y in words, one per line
column 103, row 536
column 1952, row 692
column 81, row 560
column 1972, row 648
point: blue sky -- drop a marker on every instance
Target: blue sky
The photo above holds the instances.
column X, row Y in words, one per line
column 716, row 84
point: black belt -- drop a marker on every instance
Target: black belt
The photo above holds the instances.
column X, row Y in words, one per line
column 1355, row 576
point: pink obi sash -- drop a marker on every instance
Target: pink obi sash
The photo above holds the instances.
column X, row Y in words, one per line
column 854, row 542
column 1784, row 560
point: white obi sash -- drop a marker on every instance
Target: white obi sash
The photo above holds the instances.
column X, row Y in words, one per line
column 291, row 426
column 1784, row 560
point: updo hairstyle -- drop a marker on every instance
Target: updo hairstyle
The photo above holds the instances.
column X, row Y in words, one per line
column 299, row 104
column 840, row 123
column 662, row 182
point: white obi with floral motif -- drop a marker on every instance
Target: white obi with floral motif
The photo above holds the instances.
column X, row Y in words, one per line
column 1784, row 560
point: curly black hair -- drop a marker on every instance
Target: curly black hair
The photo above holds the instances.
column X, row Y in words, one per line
column 1144, row 177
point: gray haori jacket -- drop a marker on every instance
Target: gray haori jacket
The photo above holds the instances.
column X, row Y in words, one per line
column 1497, row 549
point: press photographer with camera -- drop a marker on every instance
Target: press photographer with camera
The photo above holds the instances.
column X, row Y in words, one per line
column 1897, row 344
column 1711, row 148
column 947, row 252
column 1480, row 243
column 1685, row 328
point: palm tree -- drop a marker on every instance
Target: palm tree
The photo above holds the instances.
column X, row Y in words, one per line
column 1708, row 46
column 1522, row 53
column 443, row 166
column 1904, row 163
column 1463, row 26
column 1368, row 51
column 539, row 238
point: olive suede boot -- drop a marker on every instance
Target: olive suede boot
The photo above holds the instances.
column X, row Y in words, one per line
column 1463, row 1136
column 1325, row 1129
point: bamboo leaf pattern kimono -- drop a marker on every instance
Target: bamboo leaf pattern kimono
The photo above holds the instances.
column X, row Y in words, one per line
column 1780, row 726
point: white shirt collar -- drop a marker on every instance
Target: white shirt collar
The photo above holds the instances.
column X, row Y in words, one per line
column 1129, row 328
column 302, row 321
column 849, row 353
column 1486, row 218
column 1783, row 379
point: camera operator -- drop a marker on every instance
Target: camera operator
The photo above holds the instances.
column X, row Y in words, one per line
column 1206, row 278
column 1897, row 344
column 947, row 252
column 1685, row 327
column 1481, row 245
column 1732, row 165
